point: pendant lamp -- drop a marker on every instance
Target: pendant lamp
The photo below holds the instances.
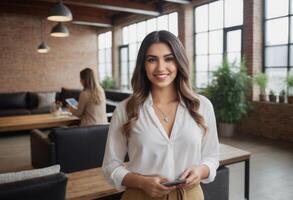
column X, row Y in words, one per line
column 59, row 30
column 60, row 13
column 43, row 47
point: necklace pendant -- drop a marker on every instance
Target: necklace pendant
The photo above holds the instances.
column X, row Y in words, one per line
column 166, row 119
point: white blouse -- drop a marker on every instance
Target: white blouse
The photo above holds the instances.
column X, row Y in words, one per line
column 152, row 152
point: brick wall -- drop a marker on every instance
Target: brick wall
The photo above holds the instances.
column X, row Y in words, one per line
column 271, row 120
column 22, row 68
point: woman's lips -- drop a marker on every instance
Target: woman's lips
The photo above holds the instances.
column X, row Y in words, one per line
column 161, row 76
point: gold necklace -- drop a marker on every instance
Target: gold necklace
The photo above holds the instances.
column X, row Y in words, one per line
column 165, row 117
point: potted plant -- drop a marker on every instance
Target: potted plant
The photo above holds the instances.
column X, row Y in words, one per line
column 228, row 93
column 289, row 81
column 272, row 96
column 282, row 96
column 108, row 83
column 261, row 80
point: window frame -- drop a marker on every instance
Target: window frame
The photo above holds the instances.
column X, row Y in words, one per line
column 287, row 68
column 105, row 57
column 264, row 22
column 225, row 31
column 120, row 70
column 137, row 42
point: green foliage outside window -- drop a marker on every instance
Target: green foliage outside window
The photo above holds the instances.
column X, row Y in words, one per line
column 108, row 83
column 228, row 92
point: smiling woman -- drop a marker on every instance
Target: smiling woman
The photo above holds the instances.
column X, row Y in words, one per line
column 162, row 118
column 160, row 65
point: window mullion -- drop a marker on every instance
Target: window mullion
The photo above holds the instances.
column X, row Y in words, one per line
column 289, row 38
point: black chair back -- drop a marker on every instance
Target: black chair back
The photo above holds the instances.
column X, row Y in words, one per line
column 79, row 148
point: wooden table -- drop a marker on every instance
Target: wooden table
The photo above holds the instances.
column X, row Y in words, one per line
column 88, row 184
column 29, row 122
column 91, row 184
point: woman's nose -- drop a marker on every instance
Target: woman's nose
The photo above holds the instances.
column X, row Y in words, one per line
column 161, row 64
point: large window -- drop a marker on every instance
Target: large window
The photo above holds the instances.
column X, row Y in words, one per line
column 132, row 37
column 278, row 42
column 105, row 55
column 218, row 31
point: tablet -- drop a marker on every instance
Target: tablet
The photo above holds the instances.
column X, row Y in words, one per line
column 72, row 102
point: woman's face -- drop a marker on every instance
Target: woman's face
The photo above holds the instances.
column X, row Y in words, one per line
column 160, row 65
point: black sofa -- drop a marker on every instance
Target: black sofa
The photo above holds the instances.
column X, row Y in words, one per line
column 74, row 148
column 26, row 103
column 45, row 188
column 113, row 97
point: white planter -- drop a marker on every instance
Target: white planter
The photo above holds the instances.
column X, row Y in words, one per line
column 226, row 130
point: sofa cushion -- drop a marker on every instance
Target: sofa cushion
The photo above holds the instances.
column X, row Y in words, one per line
column 14, row 112
column 45, row 188
column 32, row 100
column 46, row 99
column 13, row 100
column 28, row 174
column 58, row 96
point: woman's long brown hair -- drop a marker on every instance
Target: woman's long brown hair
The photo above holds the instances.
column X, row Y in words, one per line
column 96, row 91
column 142, row 86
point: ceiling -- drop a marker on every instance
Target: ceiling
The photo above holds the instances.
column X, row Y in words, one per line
column 99, row 13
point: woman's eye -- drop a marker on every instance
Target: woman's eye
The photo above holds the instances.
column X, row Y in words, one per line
column 169, row 59
column 151, row 60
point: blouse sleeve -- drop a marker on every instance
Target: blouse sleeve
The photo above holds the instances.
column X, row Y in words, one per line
column 210, row 143
column 116, row 149
column 82, row 101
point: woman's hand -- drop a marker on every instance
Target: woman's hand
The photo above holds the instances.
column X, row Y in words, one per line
column 192, row 176
column 70, row 109
column 153, row 187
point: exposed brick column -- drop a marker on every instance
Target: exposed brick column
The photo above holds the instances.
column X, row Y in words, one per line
column 257, row 41
column 185, row 32
column 252, row 39
column 116, row 42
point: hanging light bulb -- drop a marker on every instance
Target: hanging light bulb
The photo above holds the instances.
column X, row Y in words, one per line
column 60, row 30
column 43, row 47
column 60, row 13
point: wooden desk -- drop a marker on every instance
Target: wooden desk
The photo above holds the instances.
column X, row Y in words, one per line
column 88, row 184
column 29, row 122
column 91, row 184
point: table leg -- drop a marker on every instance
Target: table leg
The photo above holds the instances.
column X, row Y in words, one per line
column 246, row 179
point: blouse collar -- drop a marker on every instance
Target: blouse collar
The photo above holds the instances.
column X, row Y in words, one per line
column 149, row 100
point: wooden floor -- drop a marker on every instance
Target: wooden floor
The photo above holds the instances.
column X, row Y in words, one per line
column 271, row 165
column 14, row 152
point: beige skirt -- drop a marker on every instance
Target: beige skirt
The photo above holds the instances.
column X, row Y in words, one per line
column 194, row 193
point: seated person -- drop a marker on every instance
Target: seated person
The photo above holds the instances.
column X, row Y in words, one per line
column 92, row 102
